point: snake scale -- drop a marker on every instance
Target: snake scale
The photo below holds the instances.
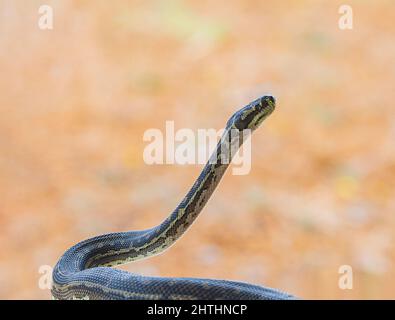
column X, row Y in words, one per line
column 84, row 271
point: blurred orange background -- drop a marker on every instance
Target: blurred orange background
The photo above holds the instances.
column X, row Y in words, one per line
column 76, row 100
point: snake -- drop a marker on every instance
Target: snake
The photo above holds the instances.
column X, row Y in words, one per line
column 85, row 271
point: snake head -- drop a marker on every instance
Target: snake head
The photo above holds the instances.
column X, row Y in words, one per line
column 253, row 114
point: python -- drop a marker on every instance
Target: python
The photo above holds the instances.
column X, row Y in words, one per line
column 84, row 271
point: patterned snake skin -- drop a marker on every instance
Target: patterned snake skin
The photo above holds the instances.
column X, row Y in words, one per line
column 84, row 271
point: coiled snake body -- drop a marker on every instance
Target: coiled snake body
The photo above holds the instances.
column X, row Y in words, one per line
column 84, row 271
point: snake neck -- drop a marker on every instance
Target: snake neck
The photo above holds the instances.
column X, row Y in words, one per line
column 154, row 241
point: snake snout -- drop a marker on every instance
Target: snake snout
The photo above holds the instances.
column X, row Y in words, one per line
column 267, row 101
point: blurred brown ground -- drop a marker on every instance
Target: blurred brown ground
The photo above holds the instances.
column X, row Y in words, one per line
column 75, row 102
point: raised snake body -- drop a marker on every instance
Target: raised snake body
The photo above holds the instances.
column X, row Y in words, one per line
column 84, row 271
